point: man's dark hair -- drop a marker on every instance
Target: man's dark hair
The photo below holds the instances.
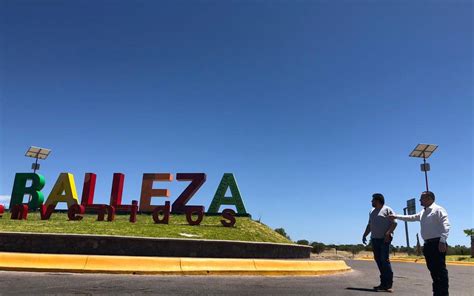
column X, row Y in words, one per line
column 429, row 194
column 379, row 197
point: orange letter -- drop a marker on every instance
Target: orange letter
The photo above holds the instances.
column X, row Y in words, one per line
column 148, row 192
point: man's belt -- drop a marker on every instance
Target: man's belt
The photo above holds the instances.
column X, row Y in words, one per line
column 431, row 240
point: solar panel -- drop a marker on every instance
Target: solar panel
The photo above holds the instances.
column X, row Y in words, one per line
column 423, row 150
column 38, row 152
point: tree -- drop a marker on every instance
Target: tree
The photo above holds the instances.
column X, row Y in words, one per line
column 282, row 232
column 303, row 242
column 355, row 249
column 470, row 232
column 458, row 250
column 318, row 248
column 418, row 246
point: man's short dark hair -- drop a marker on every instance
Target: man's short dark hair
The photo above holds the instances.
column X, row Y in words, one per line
column 379, row 197
column 429, row 194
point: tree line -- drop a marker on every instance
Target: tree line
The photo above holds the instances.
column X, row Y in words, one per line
column 319, row 247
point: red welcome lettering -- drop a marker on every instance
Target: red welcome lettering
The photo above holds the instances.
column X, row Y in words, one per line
column 74, row 211
column 19, row 212
column 162, row 210
column 134, row 211
column 228, row 214
column 190, row 210
column 46, row 211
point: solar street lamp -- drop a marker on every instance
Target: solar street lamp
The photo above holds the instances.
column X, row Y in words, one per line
column 38, row 153
column 409, row 210
column 424, row 151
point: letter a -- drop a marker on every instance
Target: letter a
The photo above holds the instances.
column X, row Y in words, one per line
column 228, row 181
column 66, row 184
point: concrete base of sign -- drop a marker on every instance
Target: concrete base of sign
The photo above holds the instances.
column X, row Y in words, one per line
column 167, row 266
column 154, row 247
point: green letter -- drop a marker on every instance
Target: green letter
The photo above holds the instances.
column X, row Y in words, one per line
column 20, row 189
column 227, row 181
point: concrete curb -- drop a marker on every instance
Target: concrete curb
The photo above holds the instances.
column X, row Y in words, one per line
column 420, row 261
column 107, row 245
column 167, row 265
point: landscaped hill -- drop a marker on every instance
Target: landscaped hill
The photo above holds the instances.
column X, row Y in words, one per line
column 245, row 229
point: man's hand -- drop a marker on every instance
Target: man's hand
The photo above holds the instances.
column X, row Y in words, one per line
column 442, row 247
column 391, row 217
column 364, row 240
column 388, row 237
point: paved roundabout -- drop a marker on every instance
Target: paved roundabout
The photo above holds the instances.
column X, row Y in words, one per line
column 410, row 280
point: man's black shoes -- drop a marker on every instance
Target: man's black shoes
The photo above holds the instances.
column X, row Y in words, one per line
column 383, row 289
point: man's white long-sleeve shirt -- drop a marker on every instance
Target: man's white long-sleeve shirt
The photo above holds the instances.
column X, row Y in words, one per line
column 434, row 222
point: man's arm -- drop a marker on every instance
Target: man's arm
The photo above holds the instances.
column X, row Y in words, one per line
column 409, row 218
column 445, row 226
column 366, row 232
column 391, row 229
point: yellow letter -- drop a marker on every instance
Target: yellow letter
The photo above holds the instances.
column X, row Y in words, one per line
column 66, row 184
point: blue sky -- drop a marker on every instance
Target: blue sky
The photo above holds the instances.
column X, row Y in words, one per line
column 313, row 105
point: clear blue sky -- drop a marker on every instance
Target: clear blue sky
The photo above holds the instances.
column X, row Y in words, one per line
column 313, row 105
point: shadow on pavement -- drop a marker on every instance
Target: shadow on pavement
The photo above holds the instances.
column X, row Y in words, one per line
column 361, row 289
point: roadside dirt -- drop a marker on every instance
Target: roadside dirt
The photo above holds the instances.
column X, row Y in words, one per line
column 332, row 254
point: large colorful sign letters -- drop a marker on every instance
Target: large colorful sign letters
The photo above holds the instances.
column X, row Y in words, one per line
column 64, row 191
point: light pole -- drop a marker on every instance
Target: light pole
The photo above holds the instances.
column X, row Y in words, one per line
column 409, row 210
column 37, row 153
column 406, row 229
column 424, row 151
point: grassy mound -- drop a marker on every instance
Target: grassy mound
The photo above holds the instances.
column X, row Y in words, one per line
column 245, row 229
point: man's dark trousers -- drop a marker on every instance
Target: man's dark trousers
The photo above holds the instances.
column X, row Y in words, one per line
column 381, row 251
column 436, row 263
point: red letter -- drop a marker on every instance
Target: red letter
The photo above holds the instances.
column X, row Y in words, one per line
column 110, row 213
column 88, row 191
column 229, row 215
column 165, row 210
column 15, row 211
column 116, row 194
column 190, row 210
column 196, row 182
column 101, row 212
column 133, row 213
column 19, row 212
column 75, row 210
column 148, row 192
column 2, row 210
column 46, row 211
column 110, row 210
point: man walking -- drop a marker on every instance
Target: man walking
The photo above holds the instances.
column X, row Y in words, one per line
column 381, row 229
column 434, row 231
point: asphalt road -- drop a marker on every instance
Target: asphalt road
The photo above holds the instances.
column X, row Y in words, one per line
column 410, row 279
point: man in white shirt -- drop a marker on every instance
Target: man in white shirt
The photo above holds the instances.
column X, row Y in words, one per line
column 381, row 229
column 434, row 231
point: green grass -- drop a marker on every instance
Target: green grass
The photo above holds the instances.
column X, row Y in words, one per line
column 461, row 258
column 245, row 229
